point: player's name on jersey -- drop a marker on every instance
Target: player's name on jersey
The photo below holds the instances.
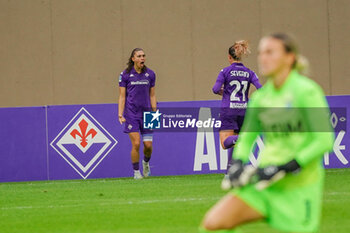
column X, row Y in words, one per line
column 143, row 82
column 239, row 73
column 238, row 105
column 191, row 123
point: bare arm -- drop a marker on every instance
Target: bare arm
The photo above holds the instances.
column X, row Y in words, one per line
column 152, row 94
column 121, row 105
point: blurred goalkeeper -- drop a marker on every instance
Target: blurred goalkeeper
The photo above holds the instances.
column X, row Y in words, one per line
column 292, row 115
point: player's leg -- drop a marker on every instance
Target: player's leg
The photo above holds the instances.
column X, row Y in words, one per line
column 147, row 151
column 148, row 146
column 228, row 139
column 147, row 138
column 229, row 130
column 233, row 126
column 229, row 213
column 236, row 123
column 224, row 134
column 229, row 134
column 304, row 205
column 135, row 154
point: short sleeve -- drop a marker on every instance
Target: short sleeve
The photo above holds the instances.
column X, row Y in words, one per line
column 122, row 80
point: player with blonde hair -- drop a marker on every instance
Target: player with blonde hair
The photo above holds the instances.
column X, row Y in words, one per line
column 233, row 83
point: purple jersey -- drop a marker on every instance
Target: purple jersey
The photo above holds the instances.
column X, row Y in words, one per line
column 236, row 79
column 137, row 87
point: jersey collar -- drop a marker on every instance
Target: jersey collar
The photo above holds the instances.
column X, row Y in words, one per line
column 292, row 74
column 237, row 64
column 133, row 71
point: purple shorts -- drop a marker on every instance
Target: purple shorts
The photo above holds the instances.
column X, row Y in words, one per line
column 136, row 125
column 231, row 122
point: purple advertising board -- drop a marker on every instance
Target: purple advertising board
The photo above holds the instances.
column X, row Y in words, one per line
column 87, row 142
column 340, row 156
column 23, row 144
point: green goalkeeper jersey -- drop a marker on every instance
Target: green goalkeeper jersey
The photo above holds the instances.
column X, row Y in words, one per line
column 294, row 123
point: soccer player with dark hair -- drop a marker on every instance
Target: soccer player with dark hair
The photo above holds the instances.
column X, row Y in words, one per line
column 233, row 83
column 292, row 114
column 137, row 94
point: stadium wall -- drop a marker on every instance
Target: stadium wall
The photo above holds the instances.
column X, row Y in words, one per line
column 47, row 143
column 56, row 52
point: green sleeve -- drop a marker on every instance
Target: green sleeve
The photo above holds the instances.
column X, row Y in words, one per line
column 321, row 133
column 250, row 130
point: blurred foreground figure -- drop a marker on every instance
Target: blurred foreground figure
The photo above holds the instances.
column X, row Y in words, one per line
column 290, row 112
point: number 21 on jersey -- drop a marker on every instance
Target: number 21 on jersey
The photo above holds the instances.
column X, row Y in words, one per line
column 238, row 87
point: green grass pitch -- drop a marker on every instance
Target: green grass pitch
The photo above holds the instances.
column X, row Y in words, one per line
column 156, row 204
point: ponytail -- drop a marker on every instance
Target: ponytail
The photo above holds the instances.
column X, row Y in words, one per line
column 238, row 49
column 301, row 64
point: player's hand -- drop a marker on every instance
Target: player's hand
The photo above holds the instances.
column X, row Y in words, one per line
column 238, row 175
column 268, row 175
column 271, row 174
column 121, row 119
column 221, row 92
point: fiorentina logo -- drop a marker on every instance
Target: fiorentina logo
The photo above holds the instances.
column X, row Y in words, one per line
column 83, row 143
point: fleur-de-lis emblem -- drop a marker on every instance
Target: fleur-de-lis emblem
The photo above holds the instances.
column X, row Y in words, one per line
column 82, row 134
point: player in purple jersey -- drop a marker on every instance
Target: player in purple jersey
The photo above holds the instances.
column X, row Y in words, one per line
column 233, row 84
column 136, row 95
